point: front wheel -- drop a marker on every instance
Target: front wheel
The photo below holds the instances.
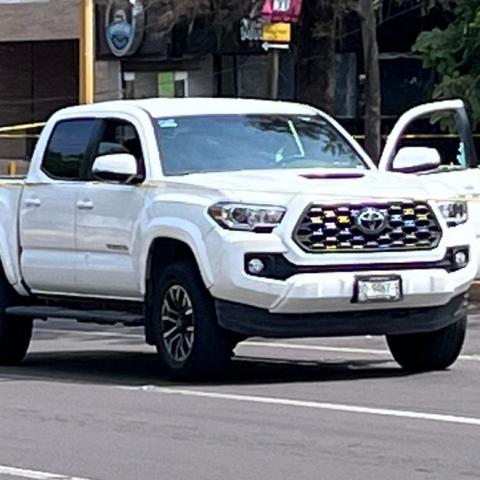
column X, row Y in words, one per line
column 427, row 351
column 187, row 335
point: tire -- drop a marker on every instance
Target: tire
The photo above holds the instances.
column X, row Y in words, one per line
column 15, row 332
column 186, row 333
column 421, row 352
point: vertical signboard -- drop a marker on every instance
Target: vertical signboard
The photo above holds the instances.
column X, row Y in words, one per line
column 282, row 10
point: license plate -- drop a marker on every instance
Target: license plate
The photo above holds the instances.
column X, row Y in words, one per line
column 378, row 289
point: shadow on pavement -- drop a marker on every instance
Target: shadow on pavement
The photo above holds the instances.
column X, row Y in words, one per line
column 135, row 369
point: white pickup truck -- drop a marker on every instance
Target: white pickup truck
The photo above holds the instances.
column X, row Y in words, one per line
column 212, row 220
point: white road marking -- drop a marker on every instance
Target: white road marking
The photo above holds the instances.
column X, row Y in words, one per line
column 324, row 348
column 475, row 358
column 34, row 474
column 133, row 335
column 254, row 343
column 319, row 348
column 337, row 407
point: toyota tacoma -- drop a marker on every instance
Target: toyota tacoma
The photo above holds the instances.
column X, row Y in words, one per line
column 208, row 221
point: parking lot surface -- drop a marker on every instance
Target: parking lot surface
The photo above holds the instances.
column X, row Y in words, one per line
column 92, row 403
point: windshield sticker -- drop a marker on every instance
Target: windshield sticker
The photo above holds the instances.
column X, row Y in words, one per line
column 170, row 123
column 461, row 159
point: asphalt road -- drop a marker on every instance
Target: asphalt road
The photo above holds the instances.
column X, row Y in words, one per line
column 91, row 402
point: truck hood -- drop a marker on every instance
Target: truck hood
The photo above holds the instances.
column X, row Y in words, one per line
column 247, row 185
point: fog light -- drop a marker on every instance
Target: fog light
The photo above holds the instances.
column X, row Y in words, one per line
column 255, row 266
column 461, row 259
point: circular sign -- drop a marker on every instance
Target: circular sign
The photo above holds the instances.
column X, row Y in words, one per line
column 124, row 26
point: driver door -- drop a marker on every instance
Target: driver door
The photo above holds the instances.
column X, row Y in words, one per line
column 464, row 178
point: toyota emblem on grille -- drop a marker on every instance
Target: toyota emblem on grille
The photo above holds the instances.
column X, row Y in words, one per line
column 371, row 220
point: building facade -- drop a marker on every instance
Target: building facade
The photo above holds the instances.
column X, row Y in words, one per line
column 139, row 55
column 39, row 68
column 136, row 57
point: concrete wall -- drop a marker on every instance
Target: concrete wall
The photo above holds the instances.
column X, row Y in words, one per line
column 146, row 85
column 254, row 76
column 201, row 79
column 108, row 82
column 57, row 19
column 39, row 68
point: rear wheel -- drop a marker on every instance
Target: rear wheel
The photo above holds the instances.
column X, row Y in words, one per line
column 15, row 332
column 419, row 352
column 187, row 335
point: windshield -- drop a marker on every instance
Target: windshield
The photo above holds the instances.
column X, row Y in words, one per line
column 224, row 143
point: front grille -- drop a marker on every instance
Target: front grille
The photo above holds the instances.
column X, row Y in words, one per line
column 368, row 227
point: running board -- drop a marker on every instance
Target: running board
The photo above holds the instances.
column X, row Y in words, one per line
column 109, row 317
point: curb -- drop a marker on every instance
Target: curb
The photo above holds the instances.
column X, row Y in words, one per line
column 474, row 293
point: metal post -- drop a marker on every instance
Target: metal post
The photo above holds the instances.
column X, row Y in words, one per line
column 275, row 73
column 87, row 55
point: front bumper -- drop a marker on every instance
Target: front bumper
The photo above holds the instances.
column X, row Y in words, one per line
column 332, row 291
column 252, row 321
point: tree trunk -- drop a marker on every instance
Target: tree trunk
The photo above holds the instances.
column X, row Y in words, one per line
column 317, row 55
column 373, row 97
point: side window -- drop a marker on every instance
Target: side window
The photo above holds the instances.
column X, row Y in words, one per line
column 120, row 136
column 67, row 150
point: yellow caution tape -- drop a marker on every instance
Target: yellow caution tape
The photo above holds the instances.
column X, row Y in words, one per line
column 29, row 126
column 426, row 136
column 471, row 199
column 18, row 136
column 24, row 126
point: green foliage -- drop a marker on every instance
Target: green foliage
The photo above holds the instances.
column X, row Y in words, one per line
column 454, row 54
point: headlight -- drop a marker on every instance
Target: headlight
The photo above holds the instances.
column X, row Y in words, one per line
column 455, row 213
column 252, row 218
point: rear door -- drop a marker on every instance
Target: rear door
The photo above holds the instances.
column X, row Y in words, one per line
column 48, row 209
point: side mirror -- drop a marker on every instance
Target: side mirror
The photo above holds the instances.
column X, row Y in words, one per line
column 117, row 167
column 416, row 159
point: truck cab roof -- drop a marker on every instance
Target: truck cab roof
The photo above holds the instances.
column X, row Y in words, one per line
column 175, row 107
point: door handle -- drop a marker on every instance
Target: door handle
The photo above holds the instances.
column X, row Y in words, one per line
column 33, row 202
column 85, row 205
